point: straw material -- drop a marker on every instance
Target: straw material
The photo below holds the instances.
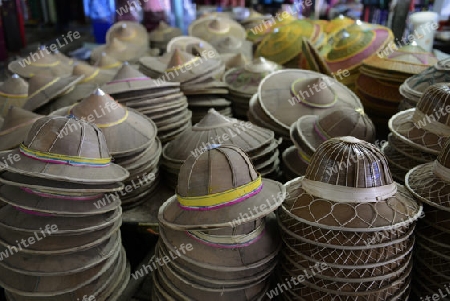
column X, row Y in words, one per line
column 312, row 60
column 233, row 45
column 13, row 92
column 162, row 35
column 121, row 51
column 93, row 75
column 128, row 32
column 212, row 27
column 192, row 45
column 108, row 62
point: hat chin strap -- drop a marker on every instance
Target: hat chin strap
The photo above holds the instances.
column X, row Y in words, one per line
column 344, row 194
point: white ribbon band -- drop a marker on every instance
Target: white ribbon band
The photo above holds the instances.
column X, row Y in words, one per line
column 343, row 194
column 441, row 171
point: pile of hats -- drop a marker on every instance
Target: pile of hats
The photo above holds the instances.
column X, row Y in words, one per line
column 290, row 37
column 347, row 227
column 40, row 60
column 310, row 131
column 125, row 41
column 418, row 134
column 413, row 87
column 197, row 77
column 13, row 92
column 131, row 139
column 286, row 95
column 215, row 129
column 380, row 78
column 60, row 232
column 429, row 183
column 221, row 225
column 243, row 83
column 161, row 101
column 162, row 35
column 212, row 28
column 15, row 127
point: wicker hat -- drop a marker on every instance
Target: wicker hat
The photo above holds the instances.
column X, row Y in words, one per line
column 128, row 32
column 211, row 28
column 92, row 74
column 192, row 45
column 233, row 45
column 15, row 127
column 108, row 62
column 424, row 127
column 43, row 88
column 314, row 130
column 13, row 92
column 120, row 50
column 218, row 201
column 48, row 152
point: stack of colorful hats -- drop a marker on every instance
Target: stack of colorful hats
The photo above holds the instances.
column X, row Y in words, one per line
column 350, row 47
column 243, row 83
column 418, row 134
column 60, row 232
column 13, row 92
column 131, row 139
column 197, row 76
column 413, row 87
column 213, row 129
column 40, row 60
column 161, row 101
column 211, row 28
column 286, row 95
column 15, row 127
column 290, row 38
column 429, row 183
column 161, row 36
column 219, row 229
column 347, row 227
column 312, row 130
column 381, row 76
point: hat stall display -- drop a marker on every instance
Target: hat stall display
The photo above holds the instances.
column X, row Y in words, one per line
column 211, row 28
column 76, row 250
column 160, row 100
column 214, row 128
column 131, row 140
column 162, row 35
column 243, row 82
column 429, row 183
column 13, row 92
column 348, row 229
column 310, row 131
column 233, row 257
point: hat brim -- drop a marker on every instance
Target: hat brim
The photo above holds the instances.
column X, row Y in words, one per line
column 12, row 139
column 403, row 127
column 427, row 187
column 63, row 172
column 293, row 162
column 29, row 70
column 307, row 132
column 172, row 215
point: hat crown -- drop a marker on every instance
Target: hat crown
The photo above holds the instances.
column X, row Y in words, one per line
column 216, row 170
column 116, row 45
column 348, row 161
column 179, row 58
column 107, row 61
column 67, row 136
column 39, row 81
column 128, row 72
column 17, row 116
column 261, row 65
column 218, row 25
column 315, row 92
column 229, row 42
column 434, row 100
column 237, row 60
column 84, row 69
column 212, row 119
column 14, row 85
column 346, row 122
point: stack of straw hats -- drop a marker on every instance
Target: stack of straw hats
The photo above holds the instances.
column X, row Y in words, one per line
column 131, row 139
column 211, row 28
column 15, row 127
column 161, row 36
column 243, row 83
column 162, row 102
column 40, row 60
column 380, row 78
column 13, row 92
column 43, row 88
column 413, row 87
column 286, row 95
column 197, row 76
column 60, row 228
column 222, row 215
column 418, row 134
column 285, row 45
column 312, row 130
column 347, row 227
column 429, row 183
column 213, row 129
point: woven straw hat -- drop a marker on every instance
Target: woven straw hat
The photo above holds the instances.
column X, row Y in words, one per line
column 234, row 60
column 211, row 28
column 15, row 127
column 425, row 127
column 38, row 61
column 13, row 92
column 192, row 45
column 93, row 75
column 128, row 32
column 108, row 62
column 43, row 87
column 120, row 50
column 48, row 152
column 233, row 45
column 223, row 197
